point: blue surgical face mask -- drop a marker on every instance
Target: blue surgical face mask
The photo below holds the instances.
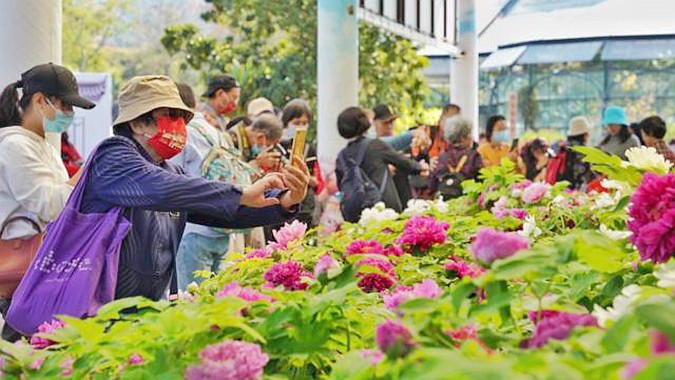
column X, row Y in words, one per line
column 61, row 121
column 257, row 149
column 290, row 131
column 501, row 136
column 372, row 134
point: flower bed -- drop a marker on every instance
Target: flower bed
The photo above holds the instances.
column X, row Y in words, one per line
column 514, row 280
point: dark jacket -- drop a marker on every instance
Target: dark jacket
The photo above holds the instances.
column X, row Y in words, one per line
column 450, row 161
column 376, row 162
column 159, row 199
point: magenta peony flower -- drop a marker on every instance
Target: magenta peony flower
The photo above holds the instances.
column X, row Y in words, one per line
column 425, row 289
column 535, row 192
column 136, row 359
column 491, row 245
column 325, row 263
column 229, row 360
column 518, row 213
column 652, row 213
column 466, row 333
column 393, row 250
column 660, row 343
column 46, row 328
column 288, row 233
column 259, row 254
column 373, row 356
column 421, row 232
column 556, row 325
column 288, row 274
column 376, row 282
column 632, row 368
column 464, row 268
column 394, row 339
column 364, row 247
column 247, row 294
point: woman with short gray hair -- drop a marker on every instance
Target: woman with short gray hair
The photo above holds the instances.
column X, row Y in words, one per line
column 459, row 163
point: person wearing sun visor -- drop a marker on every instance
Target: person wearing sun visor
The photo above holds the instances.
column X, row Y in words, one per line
column 34, row 184
column 131, row 171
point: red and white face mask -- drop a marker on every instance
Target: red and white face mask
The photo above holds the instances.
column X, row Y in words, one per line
column 170, row 138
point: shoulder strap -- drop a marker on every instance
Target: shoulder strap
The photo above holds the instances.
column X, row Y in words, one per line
column 17, row 218
column 361, row 150
column 385, row 178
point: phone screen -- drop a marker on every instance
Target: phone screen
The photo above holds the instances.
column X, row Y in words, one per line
column 514, row 144
column 298, row 148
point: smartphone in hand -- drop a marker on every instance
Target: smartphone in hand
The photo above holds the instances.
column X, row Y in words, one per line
column 298, row 147
column 514, row 144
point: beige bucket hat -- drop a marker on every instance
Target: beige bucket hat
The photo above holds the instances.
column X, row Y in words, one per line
column 579, row 125
column 143, row 94
column 258, row 106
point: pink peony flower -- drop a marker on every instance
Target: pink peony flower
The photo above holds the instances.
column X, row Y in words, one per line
column 421, row 232
column 425, row 289
column 46, row 328
column 37, row 364
column 288, row 274
column 247, row 294
column 535, row 192
column 481, row 200
column 490, row 245
column 287, row 234
column 652, row 215
column 259, row 254
column 633, row 368
column 556, row 325
column 364, row 247
column 517, row 188
column 394, row 339
column 67, row 367
column 136, row 359
column 464, row 268
column 229, row 360
column 325, row 263
column 376, row 282
column 373, row 356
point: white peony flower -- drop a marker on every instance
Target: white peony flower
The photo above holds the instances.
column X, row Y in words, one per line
column 614, row 234
column 622, row 304
column 441, row 206
column 530, row 228
column 646, row 158
column 620, row 186
column 559, row 200
column 666, row 275
column 376, row 214
column 604, row 201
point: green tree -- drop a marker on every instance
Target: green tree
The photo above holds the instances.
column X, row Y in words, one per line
column 270, row 46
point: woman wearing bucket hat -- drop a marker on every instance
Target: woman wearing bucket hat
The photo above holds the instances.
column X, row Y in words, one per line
column 131, row 171
column 34, row 184
column 619, row 138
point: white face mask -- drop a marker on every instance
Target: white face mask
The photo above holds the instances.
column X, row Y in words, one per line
column 371, row 133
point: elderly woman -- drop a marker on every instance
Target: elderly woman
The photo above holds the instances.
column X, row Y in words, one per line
column 460, row 161
column 131, row 170
column 619, row 138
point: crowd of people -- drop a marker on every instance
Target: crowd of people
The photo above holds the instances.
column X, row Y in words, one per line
column 197, row 181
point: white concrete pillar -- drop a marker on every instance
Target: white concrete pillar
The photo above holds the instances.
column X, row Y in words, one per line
column 464, row 69
column 337, row 73
column 30, row 34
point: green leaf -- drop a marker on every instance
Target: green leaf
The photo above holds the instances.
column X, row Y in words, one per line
column 618, row 335
column 660, row 316
column 599, row 252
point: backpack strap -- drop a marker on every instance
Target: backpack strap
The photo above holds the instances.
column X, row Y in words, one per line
column 361, row 150
column 385, row 177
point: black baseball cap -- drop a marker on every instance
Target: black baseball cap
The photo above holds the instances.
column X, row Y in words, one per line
column 54, row 80
column 226, row 82
column 383, row 112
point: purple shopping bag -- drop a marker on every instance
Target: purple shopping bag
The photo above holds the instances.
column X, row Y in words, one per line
column 74, row 272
